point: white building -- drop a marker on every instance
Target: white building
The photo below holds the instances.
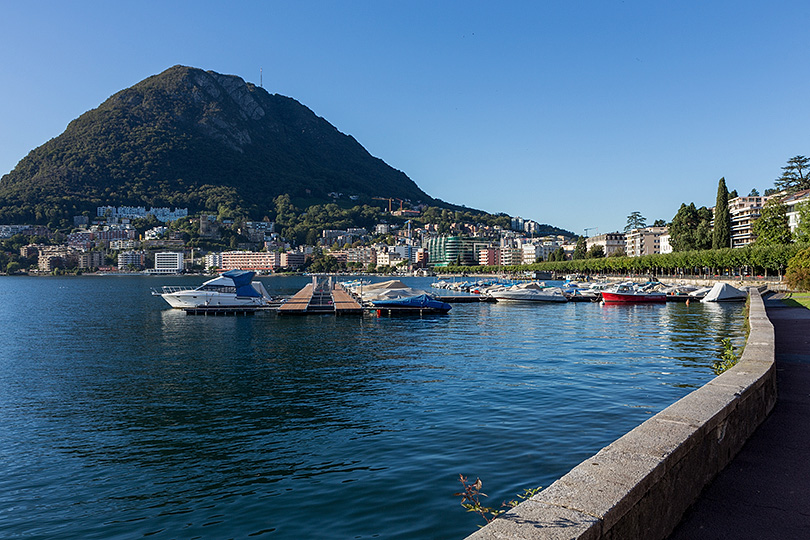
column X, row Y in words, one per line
column 666, row 247
column 212, row 260
column 743, row 212
column 168, row 262
column 792, row 202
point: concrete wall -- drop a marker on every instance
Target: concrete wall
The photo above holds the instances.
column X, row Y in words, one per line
column 640, row 486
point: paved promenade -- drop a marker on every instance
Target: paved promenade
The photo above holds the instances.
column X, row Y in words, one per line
column 764, row 493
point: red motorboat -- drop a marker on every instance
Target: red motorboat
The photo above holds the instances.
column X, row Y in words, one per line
column 625, row 294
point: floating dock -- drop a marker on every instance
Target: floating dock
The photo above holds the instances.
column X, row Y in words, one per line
column 322, row 296
column 225, row 310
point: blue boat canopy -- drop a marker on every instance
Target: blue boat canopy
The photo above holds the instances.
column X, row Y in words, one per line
column 421, row 301
column 241, row 280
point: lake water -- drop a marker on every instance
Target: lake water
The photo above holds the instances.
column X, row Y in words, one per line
column 121, row 418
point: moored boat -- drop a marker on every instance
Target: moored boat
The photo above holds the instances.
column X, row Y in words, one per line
column 528, row 292
column 232, row 289
column 421, row 304
column 723, row 292
column 626, row 294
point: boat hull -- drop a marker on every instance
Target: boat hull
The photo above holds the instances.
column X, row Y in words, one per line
column 633, row 298
column 196, row 299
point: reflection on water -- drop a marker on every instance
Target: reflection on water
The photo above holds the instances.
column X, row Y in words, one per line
column 122, row 418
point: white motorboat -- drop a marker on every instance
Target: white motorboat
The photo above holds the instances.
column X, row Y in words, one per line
column 232, row 289
column 529, row 292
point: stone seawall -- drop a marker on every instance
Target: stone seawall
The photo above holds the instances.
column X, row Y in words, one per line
column 639, row 486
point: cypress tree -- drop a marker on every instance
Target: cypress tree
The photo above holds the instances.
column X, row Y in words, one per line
column 721, row 236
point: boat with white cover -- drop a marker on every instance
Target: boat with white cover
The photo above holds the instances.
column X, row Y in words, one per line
column 723, row 292
column 232, row 289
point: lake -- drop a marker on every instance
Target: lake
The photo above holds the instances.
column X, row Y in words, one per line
column 122, row 418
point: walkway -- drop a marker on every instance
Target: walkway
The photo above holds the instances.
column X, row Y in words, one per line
column 764, row 493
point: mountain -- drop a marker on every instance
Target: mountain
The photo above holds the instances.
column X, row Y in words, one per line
column 197, row 139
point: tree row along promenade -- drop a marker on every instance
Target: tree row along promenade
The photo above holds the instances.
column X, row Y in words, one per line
column 752, row 260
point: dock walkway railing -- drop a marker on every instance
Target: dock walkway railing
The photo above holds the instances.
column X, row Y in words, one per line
column 640, row 486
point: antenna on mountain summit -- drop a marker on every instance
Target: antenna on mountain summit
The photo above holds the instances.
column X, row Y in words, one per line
column 261, row 73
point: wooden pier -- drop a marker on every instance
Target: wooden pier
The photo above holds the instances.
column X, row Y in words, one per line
column 322, row 296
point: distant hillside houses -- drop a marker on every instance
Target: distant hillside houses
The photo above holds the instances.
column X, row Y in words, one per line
column 162, row 214
column 525, row 225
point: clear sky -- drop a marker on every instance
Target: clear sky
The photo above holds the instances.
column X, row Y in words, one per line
column 573, row 113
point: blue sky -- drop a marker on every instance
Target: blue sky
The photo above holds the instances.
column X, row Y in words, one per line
column 573, row 113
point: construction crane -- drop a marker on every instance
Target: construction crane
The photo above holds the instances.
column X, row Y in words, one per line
column 390, row 200
column 591, row 229
column 385, row 199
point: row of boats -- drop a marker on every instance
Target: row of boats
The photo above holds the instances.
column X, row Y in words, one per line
column 577, row 291
column 237, row 289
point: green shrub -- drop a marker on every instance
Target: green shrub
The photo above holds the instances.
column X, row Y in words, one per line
column 798, row 271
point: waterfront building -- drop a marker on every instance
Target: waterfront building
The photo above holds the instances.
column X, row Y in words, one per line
column 212, row 260
column 511, row 256
column 52, row 257
column 489, row 256
column 168, row 262
column 611, row 243
column 452, row 250
column 292, row 259
column 530, row 253
column 90, row 259
column 256, row 261
column 644, row 241
column 135, row 258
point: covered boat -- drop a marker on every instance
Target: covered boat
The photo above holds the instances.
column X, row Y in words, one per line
column 232, row 289
column 723, row 292
column 421, row 303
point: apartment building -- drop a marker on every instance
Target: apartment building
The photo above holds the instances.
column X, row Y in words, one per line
column 646, row 241
column 611, row 242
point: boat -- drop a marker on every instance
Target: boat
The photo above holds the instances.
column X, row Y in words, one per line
column 723, row 292
column 528, row 292
column 421, row 303
column 628, row 294
column 232, row 289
